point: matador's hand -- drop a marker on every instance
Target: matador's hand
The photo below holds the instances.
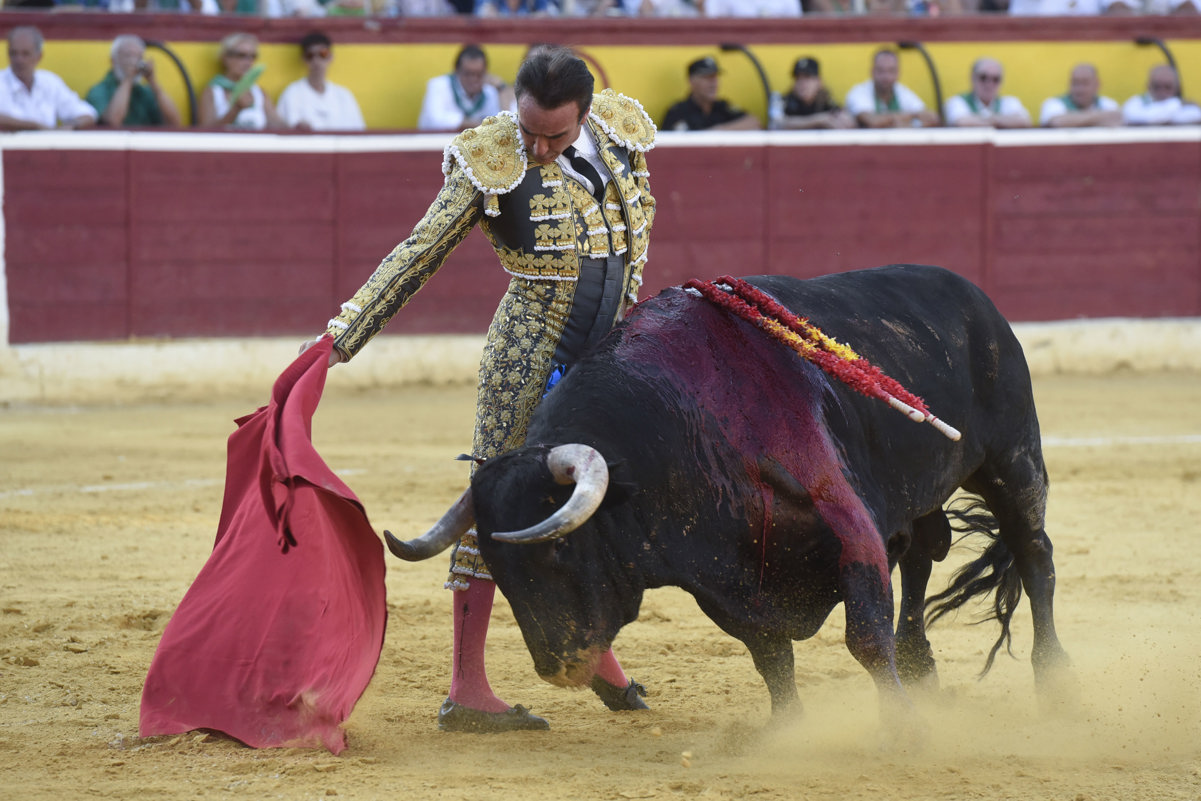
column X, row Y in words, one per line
column 335, row 355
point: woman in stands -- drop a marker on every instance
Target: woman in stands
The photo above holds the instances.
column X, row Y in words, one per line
column 230, row 102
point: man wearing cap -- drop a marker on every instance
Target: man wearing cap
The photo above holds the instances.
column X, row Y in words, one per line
column 882, row 102
column 702, row 110
column 809, row 105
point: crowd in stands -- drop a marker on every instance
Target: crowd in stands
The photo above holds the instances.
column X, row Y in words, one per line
column 624, row 8
column 129, row 96
column 883, row 102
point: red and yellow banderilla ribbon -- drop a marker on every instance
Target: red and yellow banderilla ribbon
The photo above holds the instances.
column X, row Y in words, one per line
column 835, row 358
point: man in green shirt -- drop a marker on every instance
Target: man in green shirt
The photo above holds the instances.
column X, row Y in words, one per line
column 123, row 99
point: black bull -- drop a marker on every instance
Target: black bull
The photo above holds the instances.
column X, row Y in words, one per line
column 771, row 492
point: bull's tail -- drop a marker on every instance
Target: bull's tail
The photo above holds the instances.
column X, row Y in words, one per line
column 994, row 570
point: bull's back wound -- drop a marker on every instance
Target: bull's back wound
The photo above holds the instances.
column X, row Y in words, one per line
column 836, row 359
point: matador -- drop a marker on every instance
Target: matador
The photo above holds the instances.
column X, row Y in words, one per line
column 561, row 191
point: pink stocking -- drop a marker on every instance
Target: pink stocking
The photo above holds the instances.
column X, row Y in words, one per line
column 609, row 670
column 469, row 678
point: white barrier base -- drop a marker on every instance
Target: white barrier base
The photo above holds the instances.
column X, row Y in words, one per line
column 92, row 372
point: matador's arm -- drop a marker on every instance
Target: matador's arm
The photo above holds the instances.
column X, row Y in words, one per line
column 452, row 215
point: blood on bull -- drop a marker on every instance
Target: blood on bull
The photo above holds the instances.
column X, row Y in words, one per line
column 689, row 449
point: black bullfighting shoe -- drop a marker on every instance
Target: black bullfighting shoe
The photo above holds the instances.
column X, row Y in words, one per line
column 620, row 698
column 456, row 717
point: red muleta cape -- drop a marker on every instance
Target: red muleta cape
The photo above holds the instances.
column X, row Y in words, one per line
column 280, row 633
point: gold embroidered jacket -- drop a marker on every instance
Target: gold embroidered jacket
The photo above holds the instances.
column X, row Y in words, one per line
column 541, row 223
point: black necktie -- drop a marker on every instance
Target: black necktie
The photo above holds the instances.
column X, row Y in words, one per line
column 585, row 168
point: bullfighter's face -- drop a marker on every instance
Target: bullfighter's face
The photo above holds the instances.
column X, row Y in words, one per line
column 547, row 132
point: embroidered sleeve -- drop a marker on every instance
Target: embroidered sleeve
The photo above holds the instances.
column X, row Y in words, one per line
column 642, row 178
column 452, row 215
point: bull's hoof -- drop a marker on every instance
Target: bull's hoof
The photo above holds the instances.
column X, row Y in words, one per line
column 455, row 717
column 620, row 699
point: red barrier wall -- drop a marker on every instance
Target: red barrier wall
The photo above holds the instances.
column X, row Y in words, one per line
column 145, row 242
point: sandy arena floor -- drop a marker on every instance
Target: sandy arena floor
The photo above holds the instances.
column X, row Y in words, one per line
column 107, row 514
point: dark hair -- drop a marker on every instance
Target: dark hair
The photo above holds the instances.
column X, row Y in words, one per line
column 470, row 52
column 554, row 76
column 314, row 38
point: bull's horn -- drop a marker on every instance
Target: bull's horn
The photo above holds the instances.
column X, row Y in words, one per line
column 568, row 463
column 453, row 525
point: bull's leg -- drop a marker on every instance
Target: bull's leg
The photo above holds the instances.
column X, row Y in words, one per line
column 1017, row 496
column 930, row 541
column 774, row 660
column 867, row 594
column 1032, row 555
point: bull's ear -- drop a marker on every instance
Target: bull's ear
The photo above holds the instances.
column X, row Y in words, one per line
column 620, row 488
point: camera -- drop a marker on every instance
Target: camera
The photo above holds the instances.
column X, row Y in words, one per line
column 143, row 68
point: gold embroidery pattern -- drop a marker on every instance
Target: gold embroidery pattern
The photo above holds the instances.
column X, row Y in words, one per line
column 513, row 374
column 559, row 236
column 549, row 208
column 553, row 266
column 592, row 237
column 491, row 154
column 623, row 120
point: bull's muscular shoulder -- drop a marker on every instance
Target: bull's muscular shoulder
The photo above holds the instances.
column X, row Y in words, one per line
column 491, row 154
column 623, row 120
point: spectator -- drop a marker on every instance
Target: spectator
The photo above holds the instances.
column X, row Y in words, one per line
column 1083, row 106
column 314, row 103
column 426, row 8
column 1065, row 8
column 882, row 102
column 661, row 8
column 1185, row 8
column 130, row 94
column 983, row 105
column 32, row 99
column 809, row 104
column 590, row 8
column 1161, row 104
column 513, row 8
column 251, row 109
column 460, row 99
column 1057, row 8
column 702, row 110
column 752, row 8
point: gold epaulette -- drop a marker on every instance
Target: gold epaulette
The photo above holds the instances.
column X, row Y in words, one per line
column 491, row 154
column 624, row 120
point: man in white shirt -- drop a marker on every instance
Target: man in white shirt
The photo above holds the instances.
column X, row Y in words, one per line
column 314, row 103
column 753, row 8
column 882, row 102
column 1083, row 106
column 461, row 99
column 1161, row 104
column 983, row 106
column 32, row 99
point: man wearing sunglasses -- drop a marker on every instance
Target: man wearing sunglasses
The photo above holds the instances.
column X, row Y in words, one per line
column 314, row 103
column 983, row 106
